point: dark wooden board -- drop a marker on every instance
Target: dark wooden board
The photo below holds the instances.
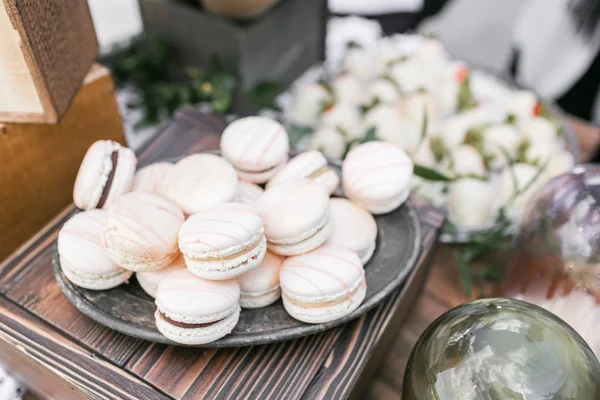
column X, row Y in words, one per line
column 127, row 309
column 310, row 366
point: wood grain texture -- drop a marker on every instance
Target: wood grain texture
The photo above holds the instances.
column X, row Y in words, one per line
column 318, row 366
column 57, row 42
column 40, row 161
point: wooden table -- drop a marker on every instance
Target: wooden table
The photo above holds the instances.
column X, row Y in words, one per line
column 61, row 354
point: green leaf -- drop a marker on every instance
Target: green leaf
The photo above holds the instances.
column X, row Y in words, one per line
column 263, row 95
column 474, row 137
column 464, row 271
column 511, row 119
column 438, row 148
column 466, row 100
column 370, row 135
column 424, row 124
column 430, row 174
column 353, row 45
column 296, row 133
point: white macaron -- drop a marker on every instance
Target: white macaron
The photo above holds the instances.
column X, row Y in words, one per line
column 195, row 311
column 311, row 166
column 376, row 175
column 106, row 172
column 202, row 180
column 153, row 179
column 256, row 147
column 323, row 285
column 354, row 228
column 297, row 217
column 83, row 258
column 248, row 193
column 260, row 287
column 224, row 241
column 149, row 280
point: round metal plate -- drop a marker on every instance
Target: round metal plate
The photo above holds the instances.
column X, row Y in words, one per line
column 129, row 310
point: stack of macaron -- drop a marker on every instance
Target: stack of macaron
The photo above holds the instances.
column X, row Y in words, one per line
column 210, row 235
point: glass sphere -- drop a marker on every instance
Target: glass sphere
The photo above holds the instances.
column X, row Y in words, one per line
column 556, row 262
column 501, row 349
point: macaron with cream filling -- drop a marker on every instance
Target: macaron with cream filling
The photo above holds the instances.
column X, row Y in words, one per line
column 354, row 228
column 149, row 280
column 195, row 311
column 83, row 259
column 256, row 147
column 140, row 231
column 323, row 285
column 202, row 180
column 296, row 216
column 106, row 172
column 224, row 241
column 311, row 166
column 376, row 175
column 260, row 287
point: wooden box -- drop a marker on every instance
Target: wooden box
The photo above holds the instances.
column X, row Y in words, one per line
column 46, row 50
column 40, row 161
column 279, row 46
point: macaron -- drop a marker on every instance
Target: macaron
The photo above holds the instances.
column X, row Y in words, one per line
column 153, row 178
column 354, row 228
column 311, row 166
column 140, row 231
column 202, row 180
column 195, row 311
column 323, row 285
column 256, row 146
column 260, row 287
column 296, row 216
column 224, row 241
column 83, row 259
column 376, row 175
column 149, row 280
column 106, row 172
column 248, row 193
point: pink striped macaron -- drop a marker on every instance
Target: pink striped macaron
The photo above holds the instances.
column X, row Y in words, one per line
column 224, row 241
column 310, row 166
column 83, row 258
column 249, row 193
column 106, row 172
column 153, row 178
column 376, row 175
column 256, row 147
column 140, row 231
column 195, row 311
column 323, row 285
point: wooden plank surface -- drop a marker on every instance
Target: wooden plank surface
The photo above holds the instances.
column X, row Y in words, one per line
column 40, row 161
column 319, row 366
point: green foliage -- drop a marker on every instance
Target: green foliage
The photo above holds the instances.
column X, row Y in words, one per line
column 370, row 136
column 466, row 100
column 430, row 174
column 296, row 133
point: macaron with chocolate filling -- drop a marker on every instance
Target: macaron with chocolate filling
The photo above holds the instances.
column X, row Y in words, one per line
column 195, row 311
column 256, row 147
column 311, row 166
column 260, row 287
column 323, row 285
column 297, row 217
column 106, row 172
column 224, row 241
column 140, row 231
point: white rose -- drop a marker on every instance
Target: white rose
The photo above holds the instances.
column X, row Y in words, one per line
column 520, row 104
column 358, row 62
column 560, row 162
column 392, row 127
column 514, row 180
column 539, row 130
column 471, row 204
column 307, row 104
column 499, row 140
column 431, row 51
column 454, row 130
column 432, row 192
column 424, row 155
column 416, row 105
column 383, row 90
column 347, row 89
column 465, row 160
column 410, row 76
column 345, row 117
column 387, row 53
column 329, row 141
column 540, row 153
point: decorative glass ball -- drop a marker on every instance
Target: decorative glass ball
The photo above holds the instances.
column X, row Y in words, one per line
column 501, row 349
column 556, row 261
